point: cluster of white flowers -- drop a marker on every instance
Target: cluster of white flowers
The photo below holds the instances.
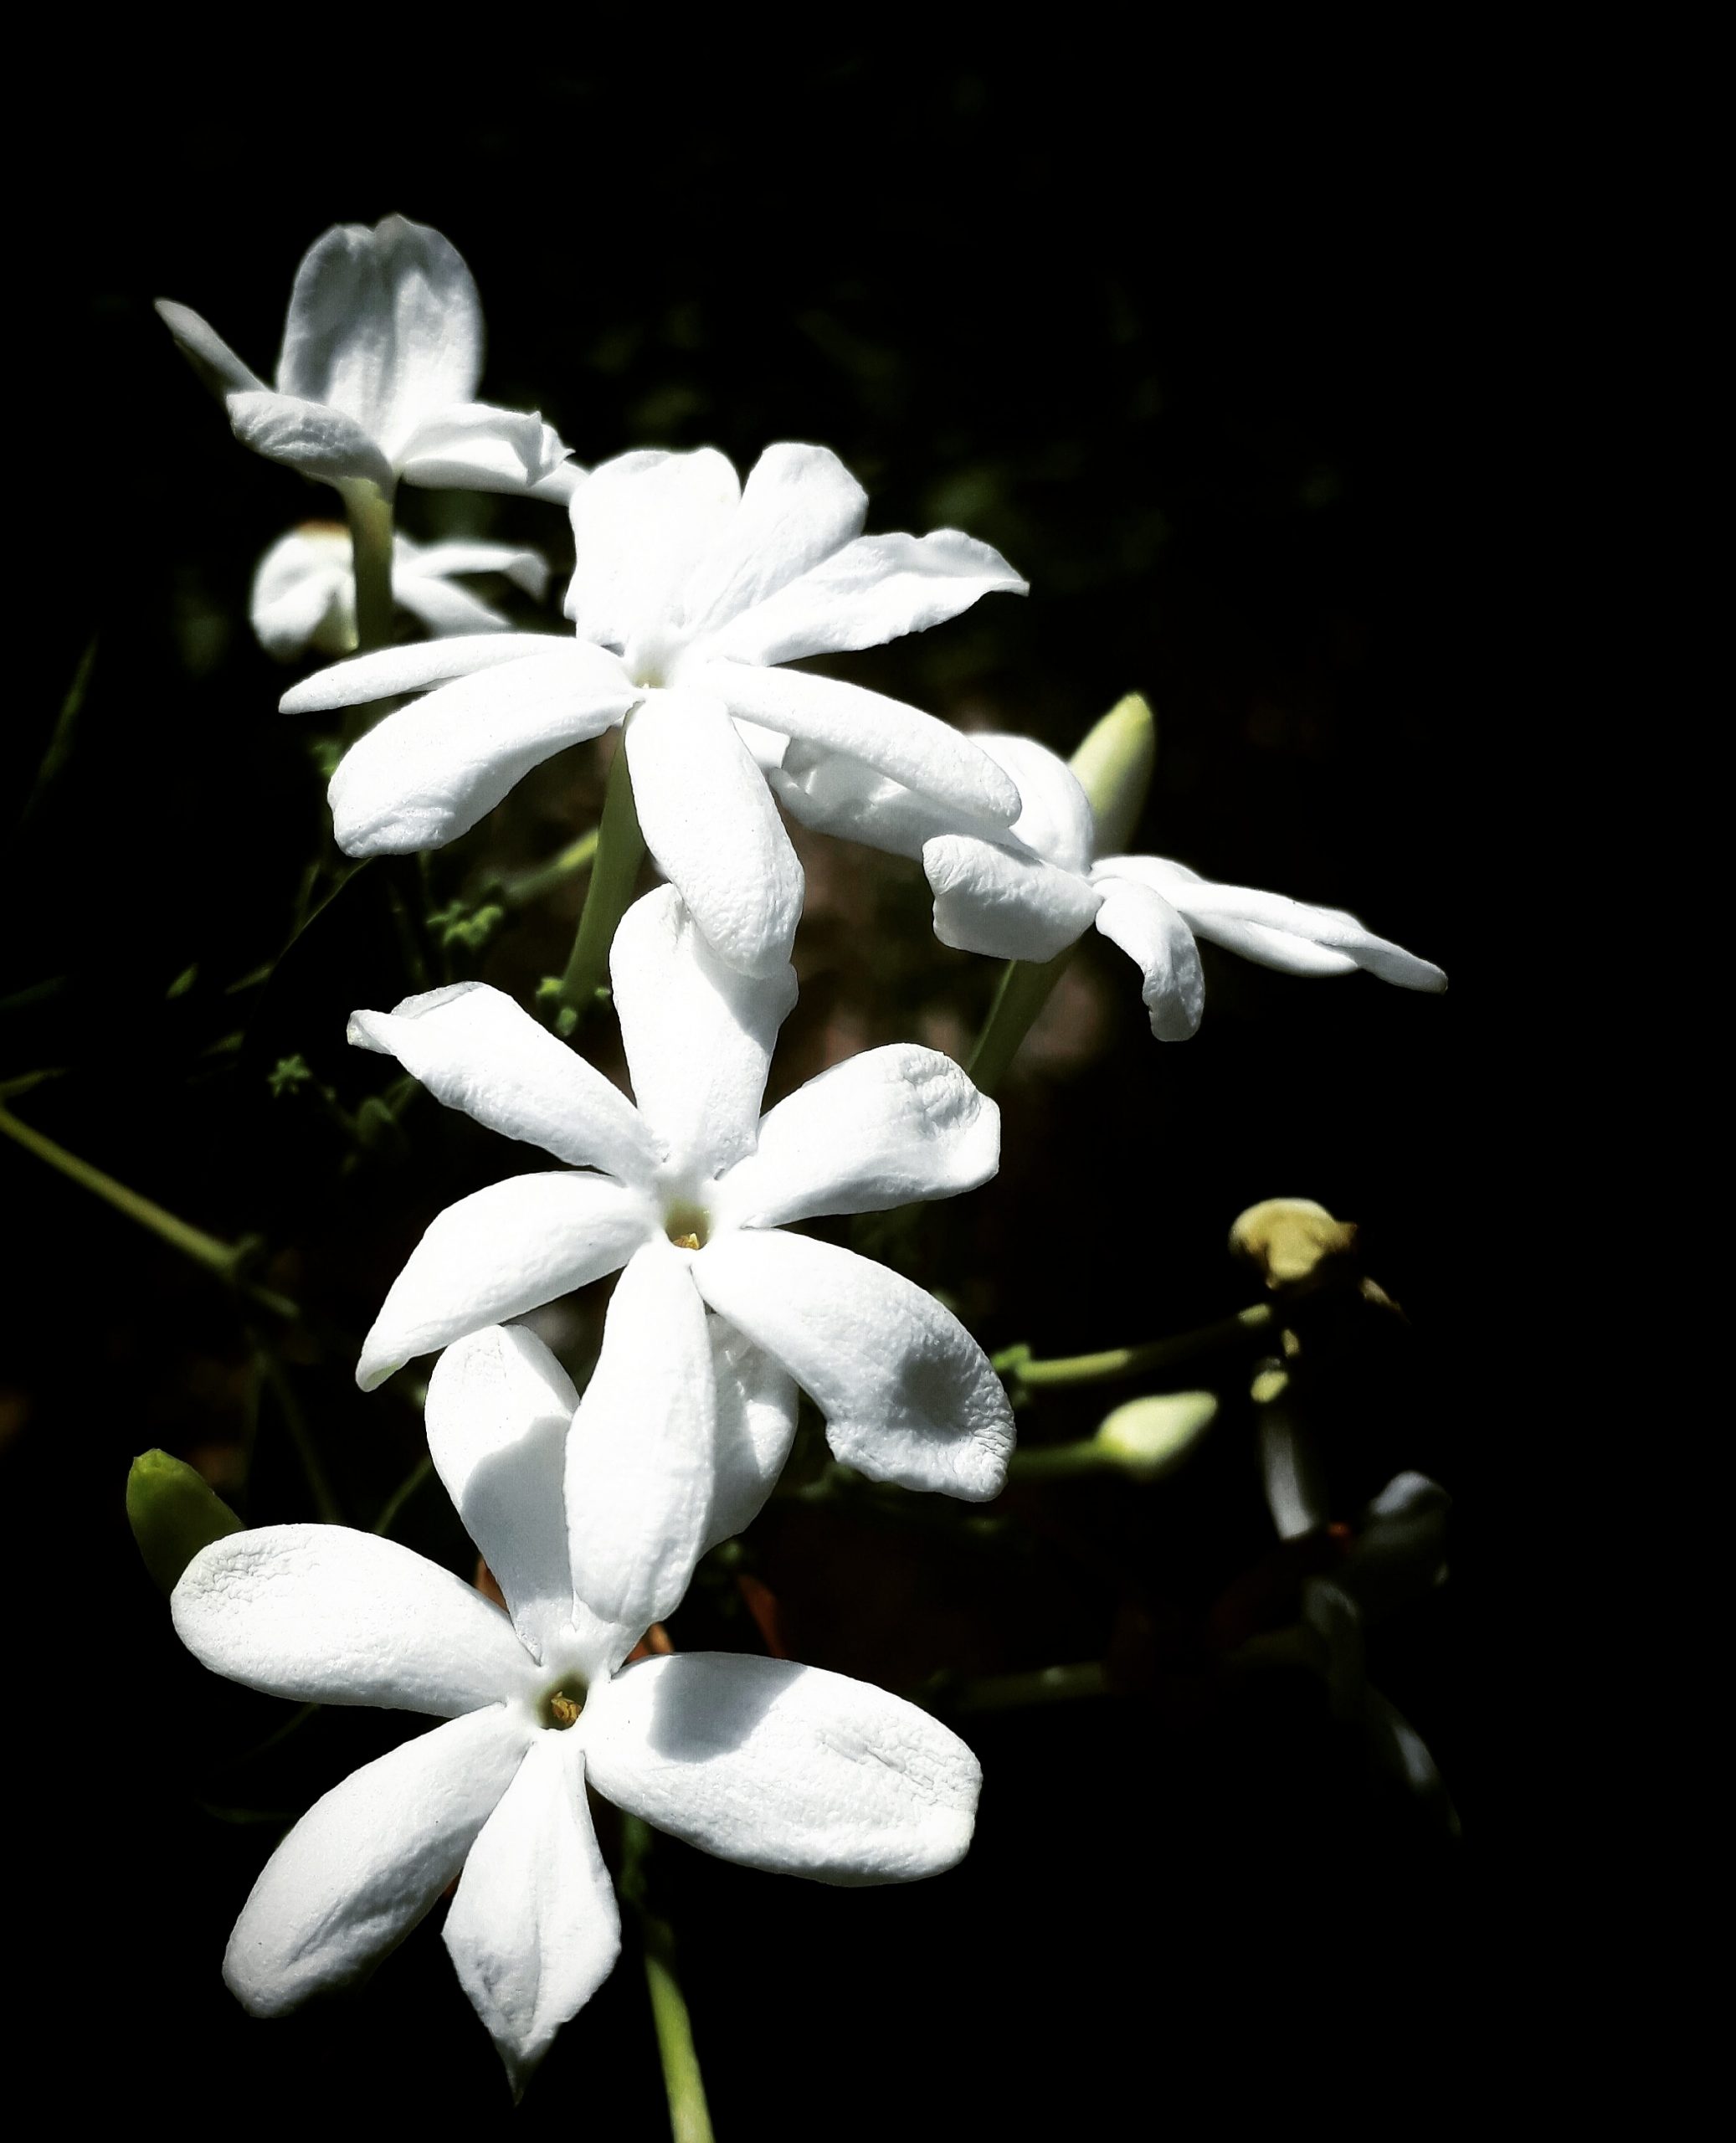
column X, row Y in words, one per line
column 691, row 590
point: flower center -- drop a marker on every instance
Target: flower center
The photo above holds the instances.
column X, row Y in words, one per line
column 686, row 1225
column 560, row 1706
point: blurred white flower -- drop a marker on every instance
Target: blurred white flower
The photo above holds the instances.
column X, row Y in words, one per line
column 689, row 1417
column 1028, row 892
column 377, row 380
column 304, row 588
column 782, row 1767
column 690, row 588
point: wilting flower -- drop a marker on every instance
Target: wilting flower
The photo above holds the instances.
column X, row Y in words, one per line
column 304, row 588
column 690, row 588
column 779, row 1767
column 1028, row 892
column 377, row 380
column 689, row 1417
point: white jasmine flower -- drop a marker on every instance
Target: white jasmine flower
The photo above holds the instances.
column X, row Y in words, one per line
column 377, row 380
column 1028, row 892
column 690, row 1416
column 779, row 1767
column 304, row 588
column 690, row 588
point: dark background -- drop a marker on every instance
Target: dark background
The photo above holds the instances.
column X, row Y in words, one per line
column 1206, row 345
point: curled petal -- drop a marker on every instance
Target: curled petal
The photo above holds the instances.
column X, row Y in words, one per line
column 1055, row 819
column 327, row 1615
column 834, row 794
column 873, row 590
column 472, row 446
column 1155, row 938
column 427, row 773
column 524, row 567
column 713, row 829
column 907, row 1394
column 909, row 747
column 1007, row 903
column 302, row 592
column 206, row 351
column 698, row 1033
column 311, row 436
column 495, row 1255
column 640, row 1458
column 391, row 670
column 798, row 505
column 475, row 1048
column 368, row 1859
column 756, row 1426
column 443, row 606
column 783, row 1767
column 534, row 1929
column 882, row 1128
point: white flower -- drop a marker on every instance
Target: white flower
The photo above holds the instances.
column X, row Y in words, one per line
column 779, row 1766
column 689, row 1417
column 382, row 353
column 1028, row 892
column 304, row 588
column 690, row 588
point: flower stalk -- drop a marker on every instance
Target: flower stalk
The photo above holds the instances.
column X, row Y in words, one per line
column 621, row 848
column 369, row 510
column 684, row 2086
column 1025, row 1373
column 1024, row 990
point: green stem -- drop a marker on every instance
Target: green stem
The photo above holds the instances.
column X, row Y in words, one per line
column 1043, row 1685
column 620, row 849
column 684, row 2084
column 324, row 1502
column 1117, row 1362
column 1024, row 991
column 407, row 1487
column 370, row 517
column 217, row 1256
column 530, row 885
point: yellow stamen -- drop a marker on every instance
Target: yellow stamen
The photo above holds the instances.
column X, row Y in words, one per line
column 564, row 1709
column 685, row 1242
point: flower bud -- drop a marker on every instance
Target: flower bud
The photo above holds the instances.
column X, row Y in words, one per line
column 1114, row 768
column 1291, row 1239
column 1150, row 1437
column 174, row 1513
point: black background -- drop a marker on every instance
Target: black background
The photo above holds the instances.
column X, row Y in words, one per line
column 1207, row 345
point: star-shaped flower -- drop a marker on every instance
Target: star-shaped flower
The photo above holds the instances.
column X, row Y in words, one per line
column 304, row 588
column 690, row 590
column 377, row 381
column 779, row 1767
column 1029, row 891
column 690, row 1415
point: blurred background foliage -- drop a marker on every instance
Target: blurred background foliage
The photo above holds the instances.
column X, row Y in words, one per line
column 1199, row 351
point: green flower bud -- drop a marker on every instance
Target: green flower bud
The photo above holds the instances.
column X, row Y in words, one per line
column 1150, row 1437
column 174, row 1513
column 1114, row 766
column 1291, row 1239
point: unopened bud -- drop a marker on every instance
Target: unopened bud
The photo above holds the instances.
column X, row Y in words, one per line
column 174, row 1513
column 1291, row 1239
column 1114, row 768
column 1150, row 1437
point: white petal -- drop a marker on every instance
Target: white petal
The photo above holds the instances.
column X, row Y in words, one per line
column 641, row 523
column 559, row 485
column 311, row 436
column 783, row 1767
column 640, row 1461
column 472, row 446
column 498, row 1253
column 1055, row 819
column 299, row 587
column 907, row 1394
column 1278, row 933
column 798, row 505
column 755, row 1426
column 525, row 568
column 328, row 1616
column 909, row 747
column 383, row 324
column 206, row 351
column 1008, row 904
column 427, row 773
column 390, row 670
column 368, row 1859
column 534, row 1929
column 882, row 1128
column 1160, row 944
column 874, row 589
column 710, row 823
column 837, row 795
column 499, row 1408
column 698, row 1035
column 444, row 607
column 475, row 1048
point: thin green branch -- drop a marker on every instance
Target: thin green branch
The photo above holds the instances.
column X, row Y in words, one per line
column 684, row 2085
column 614, row 872
column 307, row 1451
column 1017, row 1365
column 407, row 1487
column 528, row 887
column 1023, row 992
